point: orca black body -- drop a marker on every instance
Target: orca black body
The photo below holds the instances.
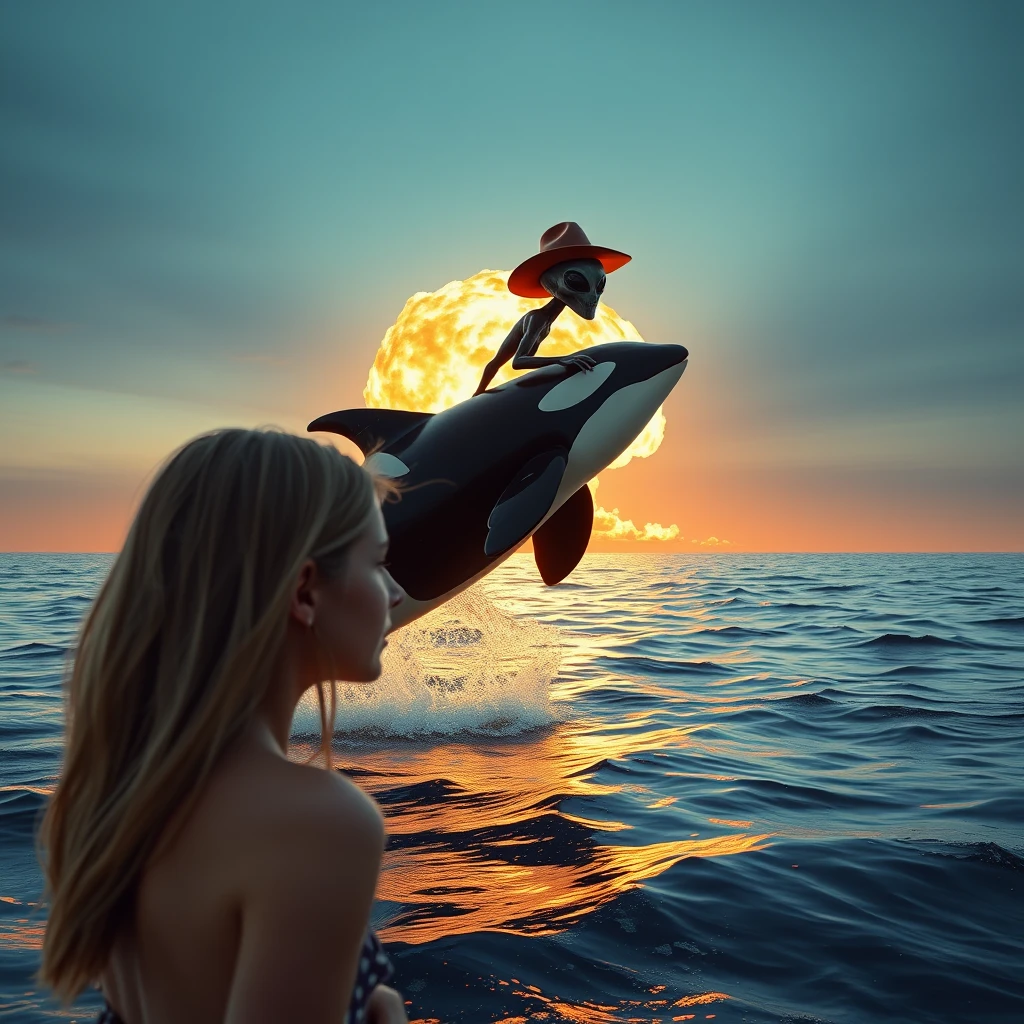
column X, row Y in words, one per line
column 513, row 462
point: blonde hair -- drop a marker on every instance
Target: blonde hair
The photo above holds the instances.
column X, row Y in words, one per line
column 175, row 657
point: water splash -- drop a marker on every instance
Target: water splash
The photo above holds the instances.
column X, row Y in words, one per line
column 467, row 667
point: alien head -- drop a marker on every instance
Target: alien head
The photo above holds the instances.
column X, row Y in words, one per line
column 577, row 283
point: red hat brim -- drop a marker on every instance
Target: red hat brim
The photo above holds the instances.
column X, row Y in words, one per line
column 525, row 279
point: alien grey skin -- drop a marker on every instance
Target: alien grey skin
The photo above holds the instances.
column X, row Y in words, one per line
column 577, row 284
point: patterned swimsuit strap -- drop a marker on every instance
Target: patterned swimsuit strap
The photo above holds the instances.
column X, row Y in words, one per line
column 374, row 969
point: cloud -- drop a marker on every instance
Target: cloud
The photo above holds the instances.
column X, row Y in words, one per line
column 18, row 366
column 17, row 322
column 712, row 542
column 611, row 526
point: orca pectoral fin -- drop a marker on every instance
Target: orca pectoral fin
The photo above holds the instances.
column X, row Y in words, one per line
column 525, row 502
column 370, row 428
column 562, row 541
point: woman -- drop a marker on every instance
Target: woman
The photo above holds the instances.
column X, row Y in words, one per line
column 193, row 870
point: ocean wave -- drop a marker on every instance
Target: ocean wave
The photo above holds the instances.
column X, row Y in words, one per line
column 882, row 712
column 1007, row 810
column 806, row 700
column 1012, row 622
column 990, row 854
column 660, row 666
column 19, row 815
column 913, row 730
column 891, row 640
column 32, row 650
column 426, row 793
column 797, row 606
column 913, row 670
column 745, row 632
column 795, row 796
column 631, row 697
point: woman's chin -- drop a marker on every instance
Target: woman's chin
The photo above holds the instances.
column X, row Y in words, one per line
column 373, row 671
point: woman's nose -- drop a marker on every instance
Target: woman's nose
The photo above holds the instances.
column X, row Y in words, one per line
column 397, row 593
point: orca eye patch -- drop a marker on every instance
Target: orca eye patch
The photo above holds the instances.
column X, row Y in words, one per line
column 576, row 388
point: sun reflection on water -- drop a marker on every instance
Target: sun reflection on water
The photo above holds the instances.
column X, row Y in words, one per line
column 539, row 1006
column 480, row 837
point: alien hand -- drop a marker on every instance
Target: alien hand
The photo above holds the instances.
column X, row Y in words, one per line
column 577, row 361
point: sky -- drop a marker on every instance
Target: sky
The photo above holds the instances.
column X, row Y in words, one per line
column 210, row 214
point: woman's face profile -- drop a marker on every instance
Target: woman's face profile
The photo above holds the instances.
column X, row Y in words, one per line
column 353, row 611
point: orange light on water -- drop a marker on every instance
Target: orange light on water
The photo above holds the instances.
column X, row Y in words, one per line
column 590, row 1012
column 700, row 1000
column 22, row 933
column 492, row 857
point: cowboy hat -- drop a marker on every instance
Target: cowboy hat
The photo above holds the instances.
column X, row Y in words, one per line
column 565, row 241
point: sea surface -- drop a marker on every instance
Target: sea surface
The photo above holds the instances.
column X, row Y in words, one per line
column 733, row 787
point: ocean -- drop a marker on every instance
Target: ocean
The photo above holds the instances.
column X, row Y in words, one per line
column 762, row 788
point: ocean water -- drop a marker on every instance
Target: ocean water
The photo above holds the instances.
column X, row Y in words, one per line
column 733, row 787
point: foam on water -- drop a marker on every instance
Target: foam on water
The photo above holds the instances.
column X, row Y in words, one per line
column 467, row 667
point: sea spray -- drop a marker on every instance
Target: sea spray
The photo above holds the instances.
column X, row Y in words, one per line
column 466, row 667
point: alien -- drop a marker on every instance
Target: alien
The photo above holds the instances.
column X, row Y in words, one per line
column 573, row 272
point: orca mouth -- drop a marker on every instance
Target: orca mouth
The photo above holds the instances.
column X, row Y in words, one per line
column 658, row 358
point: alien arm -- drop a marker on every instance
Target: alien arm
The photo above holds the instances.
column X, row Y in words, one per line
column 536, row 330
column 502, row 356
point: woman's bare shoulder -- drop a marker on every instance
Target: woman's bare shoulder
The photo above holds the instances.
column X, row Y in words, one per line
column 265, row 814
column 307, row 855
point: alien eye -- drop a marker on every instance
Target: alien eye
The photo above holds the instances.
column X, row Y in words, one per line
column 576, row 281
column 601, row 284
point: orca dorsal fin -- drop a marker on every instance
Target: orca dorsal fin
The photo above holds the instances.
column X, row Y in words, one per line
column 370, row 428
column 562, row 541
column 525, row 502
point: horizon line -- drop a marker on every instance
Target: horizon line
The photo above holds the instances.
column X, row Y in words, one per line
column 701, row 551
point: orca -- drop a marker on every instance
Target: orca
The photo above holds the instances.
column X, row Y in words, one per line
column 480, row 478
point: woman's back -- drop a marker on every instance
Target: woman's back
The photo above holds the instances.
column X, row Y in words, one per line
column 273, row 852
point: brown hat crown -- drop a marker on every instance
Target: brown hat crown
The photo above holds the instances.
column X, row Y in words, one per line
column 561, row 235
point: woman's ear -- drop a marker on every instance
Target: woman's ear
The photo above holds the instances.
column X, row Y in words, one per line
column 303, row 601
